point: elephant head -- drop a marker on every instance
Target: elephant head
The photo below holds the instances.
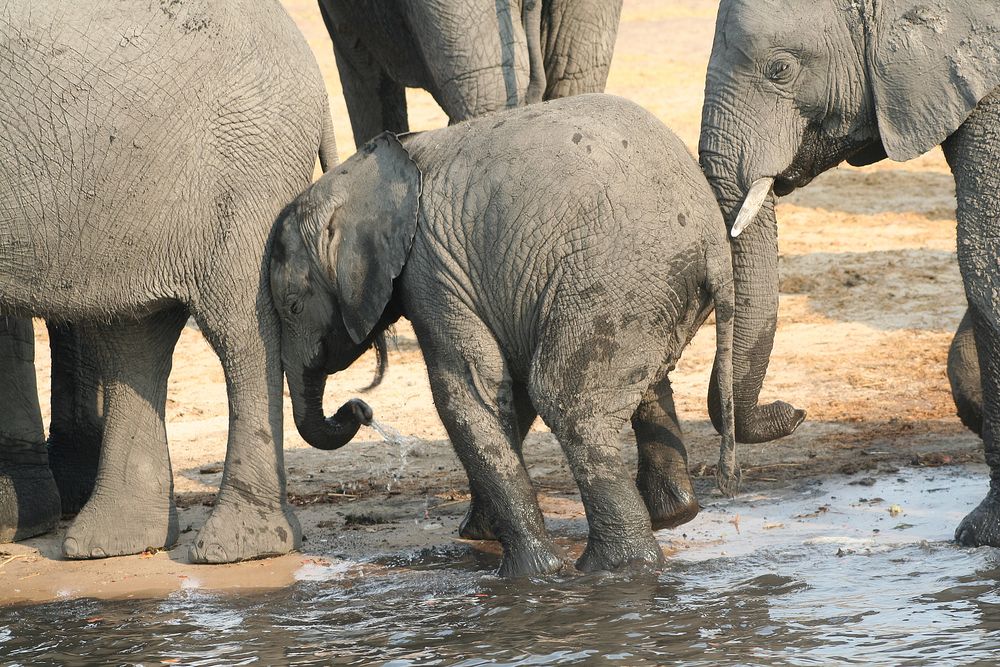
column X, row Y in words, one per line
column 794, row 87
column 337, row 249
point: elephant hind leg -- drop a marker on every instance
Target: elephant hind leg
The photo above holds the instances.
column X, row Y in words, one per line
column 29, row 499
column 477, row 524
column 77, row 423
column 252, row 517
column 132, row 505
column 662, row 477
column 963, row 374
column 585, row 386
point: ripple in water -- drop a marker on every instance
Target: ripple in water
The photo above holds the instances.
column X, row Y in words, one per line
column 795, row 601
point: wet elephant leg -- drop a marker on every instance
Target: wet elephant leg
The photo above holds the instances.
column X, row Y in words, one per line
column 586, row 400
column 963, row 374
column 973, row 153
column 77, row 422
column 982, row 526
column 477, row 525
column 472, row 390
column 132, row 505
column 29, row 499
column 662, row 477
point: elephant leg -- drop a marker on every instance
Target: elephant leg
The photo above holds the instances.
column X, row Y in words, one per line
column 251, row 517
column 973, row 153
column 375, row 102
column 662, row 477
column 472, row 390
column 29, row 498
column 982, row 525
column 477, row 524
column 578, row 39
column 77, row 422
column 963, row 374
column 586, row 401
column 132, row 506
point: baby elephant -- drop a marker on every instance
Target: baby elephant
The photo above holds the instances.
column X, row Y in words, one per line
column 554, row 260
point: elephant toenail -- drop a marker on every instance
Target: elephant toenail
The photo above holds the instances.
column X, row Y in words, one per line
column 98, row 552
column 71, row 549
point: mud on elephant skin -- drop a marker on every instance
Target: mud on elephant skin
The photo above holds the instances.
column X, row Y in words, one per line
column 554, row 260
column 889, row 78
column 473, row 56
column 140, row 177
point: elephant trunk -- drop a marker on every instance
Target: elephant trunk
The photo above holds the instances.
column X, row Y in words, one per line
column 306, row 389
column 755, row 282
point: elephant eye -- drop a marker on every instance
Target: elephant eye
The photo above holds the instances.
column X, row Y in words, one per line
column 779, row 70
column 295, row 307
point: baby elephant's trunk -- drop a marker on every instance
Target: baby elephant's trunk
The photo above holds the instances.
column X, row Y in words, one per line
column 720, row 286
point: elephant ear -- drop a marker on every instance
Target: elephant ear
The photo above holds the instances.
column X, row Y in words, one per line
column 371, row 230
column 930, row 62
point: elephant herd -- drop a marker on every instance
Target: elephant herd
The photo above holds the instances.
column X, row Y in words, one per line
column 554, row 258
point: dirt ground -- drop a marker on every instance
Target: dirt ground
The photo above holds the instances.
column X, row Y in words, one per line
column 870, row 297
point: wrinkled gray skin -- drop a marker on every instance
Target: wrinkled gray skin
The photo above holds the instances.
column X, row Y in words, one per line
column 147, row 150
column 888, row 78
column 473, row 56
column 554, row 260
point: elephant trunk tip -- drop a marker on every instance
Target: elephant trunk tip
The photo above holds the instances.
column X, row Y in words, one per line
column 728, row 476
column 354, row 410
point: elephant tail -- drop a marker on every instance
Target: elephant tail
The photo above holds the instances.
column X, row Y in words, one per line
column 720, row 286
column 531, row 20
column 327, row 142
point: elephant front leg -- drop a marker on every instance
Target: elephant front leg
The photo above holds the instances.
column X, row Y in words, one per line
column 132, row 506
column 981, row 527
column 477, row 524
column 29, row 499
column 77, row 424
column 663, row 478
column 251, row 517
column 472, row 392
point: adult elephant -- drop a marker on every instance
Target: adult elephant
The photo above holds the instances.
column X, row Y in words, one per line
column 473, row 56
column 146, row 151
column 867, row 80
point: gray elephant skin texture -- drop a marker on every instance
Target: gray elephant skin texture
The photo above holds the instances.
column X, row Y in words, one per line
column 796, row 87
column 554, row 261
column 473, row 56
column 147, row 149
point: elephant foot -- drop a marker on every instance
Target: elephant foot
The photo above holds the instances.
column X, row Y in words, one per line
column 74, row 467
column 982, row 526
column 29, row 501
column 525, row 561
column 476, row 525
column 669, row 497
column 245, row 532
column 641, row 553
column 115, row 526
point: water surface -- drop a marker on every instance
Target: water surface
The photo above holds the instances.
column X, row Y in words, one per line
column 827, row 572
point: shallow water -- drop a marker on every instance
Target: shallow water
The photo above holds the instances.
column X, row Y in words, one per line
column 788, row 583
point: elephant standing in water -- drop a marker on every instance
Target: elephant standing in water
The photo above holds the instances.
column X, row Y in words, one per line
column 864, row 81
column 147, row 150
column 473, row 56
column 554, row 260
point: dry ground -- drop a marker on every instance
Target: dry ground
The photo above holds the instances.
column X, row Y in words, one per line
column 870, row 296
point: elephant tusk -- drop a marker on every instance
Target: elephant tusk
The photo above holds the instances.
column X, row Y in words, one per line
column 758, row 192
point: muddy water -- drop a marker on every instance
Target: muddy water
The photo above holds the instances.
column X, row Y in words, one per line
column 828, row 572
